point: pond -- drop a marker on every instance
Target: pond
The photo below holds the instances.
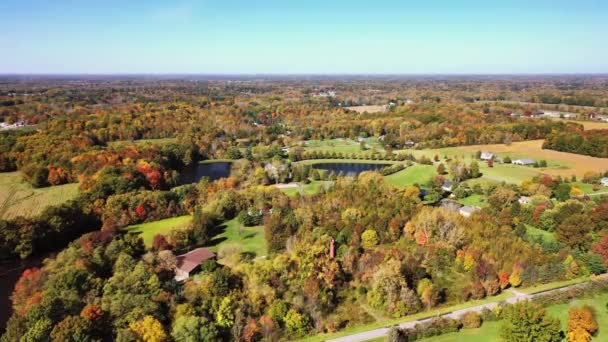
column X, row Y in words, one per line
column 349, row 169
column 211, row 170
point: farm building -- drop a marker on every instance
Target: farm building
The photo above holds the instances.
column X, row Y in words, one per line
column 190, row 262
column 524, row 162
column 486, row 156
column 604, row 181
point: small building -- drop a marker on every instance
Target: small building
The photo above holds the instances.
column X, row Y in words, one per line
column 604, row 181
column 190, row 262
column 524, row 162
column 486, row 156
column 468, row 210
column 524, row 200
column 447, row 186
column 409, row 143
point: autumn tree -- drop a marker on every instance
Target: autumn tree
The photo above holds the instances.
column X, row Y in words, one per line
column 581, row 324
column 526, row 321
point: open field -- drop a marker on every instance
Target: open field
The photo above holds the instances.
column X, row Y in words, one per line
column 249, row 239
column 588, row 188
column 19, row 198
column 559, row 163
column 415, row 174
column 341, row 145
column 368, row 109
column 149, row 229
column 534, row 232
column 143, row 141
column 587, row 125
column 306, row 189
column 354, row 161
column 474, row 200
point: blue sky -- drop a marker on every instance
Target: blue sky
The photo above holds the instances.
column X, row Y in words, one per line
column 289, row 36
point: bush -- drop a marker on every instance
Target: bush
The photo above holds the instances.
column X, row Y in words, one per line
column 471, row 320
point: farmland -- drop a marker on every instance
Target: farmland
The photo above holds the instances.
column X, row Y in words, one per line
column 559, row 163
column 19, row 198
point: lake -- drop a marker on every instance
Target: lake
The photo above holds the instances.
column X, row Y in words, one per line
column 349, row 169
column 211, row 170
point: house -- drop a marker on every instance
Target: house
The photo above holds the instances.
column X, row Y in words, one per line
column 604, row 181
column 468, row 210
column 486, row 156
column 524, row 200
column 409, row 143
column 190, row 262
column 524, row 162
column 447, row 186
column 450, row 205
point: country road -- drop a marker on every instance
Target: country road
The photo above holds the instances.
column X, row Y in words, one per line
column 517, row 296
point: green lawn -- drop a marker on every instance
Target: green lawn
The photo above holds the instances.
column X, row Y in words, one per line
column 306, row 189
column 490, row 331
column 588, row 188
column 474, row 200
column 534, row 232
column 149, row 229
column 354, row 161
column 249, row 239
column 415, row 174
column 19, row 198
column 341, row 146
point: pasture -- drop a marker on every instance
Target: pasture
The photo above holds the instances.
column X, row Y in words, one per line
column 19, row 198
column 341, row 145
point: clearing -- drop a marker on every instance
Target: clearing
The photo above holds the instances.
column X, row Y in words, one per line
column 164, row 227
column 340, row 145
column 305, row 189
column 559, row 163
column 367, row 109
column 19, row 198
column 248, row 239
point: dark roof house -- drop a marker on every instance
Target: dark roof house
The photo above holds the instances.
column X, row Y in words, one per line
column 190, row 262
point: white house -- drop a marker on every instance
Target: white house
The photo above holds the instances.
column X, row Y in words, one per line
column 486, row 156
column 524, row 162
column 524, row 200
column 604, row 181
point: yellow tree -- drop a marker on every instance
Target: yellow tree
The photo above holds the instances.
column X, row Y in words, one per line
column 149, row 329
column 581, row 324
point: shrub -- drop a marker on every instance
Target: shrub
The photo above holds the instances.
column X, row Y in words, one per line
column 471, row 320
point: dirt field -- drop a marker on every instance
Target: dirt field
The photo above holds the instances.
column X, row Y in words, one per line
column 369, row 109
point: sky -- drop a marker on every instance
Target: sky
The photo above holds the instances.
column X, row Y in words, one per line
column 303, row 37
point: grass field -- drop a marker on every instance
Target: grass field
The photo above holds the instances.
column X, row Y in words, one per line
column 415, row 174
column 354, row 161
column 149, row 229
column 474, row 200
column 559, row 163
column 143, row 141
column 249, row 239
column 588, row 188
column 490, row 331
column 19, row 198
column 534, row 232
column 306, row 189
column 340, row 145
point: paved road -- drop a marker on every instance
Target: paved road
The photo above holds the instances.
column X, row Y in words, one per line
column 517, row 296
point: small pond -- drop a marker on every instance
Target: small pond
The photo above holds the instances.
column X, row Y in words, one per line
column 211, row 170
column 349, row 169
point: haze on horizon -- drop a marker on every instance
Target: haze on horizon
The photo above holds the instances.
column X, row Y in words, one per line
column 307, row 37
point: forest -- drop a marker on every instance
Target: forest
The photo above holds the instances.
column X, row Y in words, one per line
column 353, row 250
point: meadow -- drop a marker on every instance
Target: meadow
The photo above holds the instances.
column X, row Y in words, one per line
column 148, row 230
column 19, row 198
column 341, row 145
column 306, row 189
column 415, row 174
column 559, row 163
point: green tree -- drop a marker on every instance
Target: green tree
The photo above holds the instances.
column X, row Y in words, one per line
column 369, row 238
column 296, row 323
column 526, row 321
column 194, row 328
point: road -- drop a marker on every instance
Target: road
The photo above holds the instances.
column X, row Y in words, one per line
column 517, row 296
